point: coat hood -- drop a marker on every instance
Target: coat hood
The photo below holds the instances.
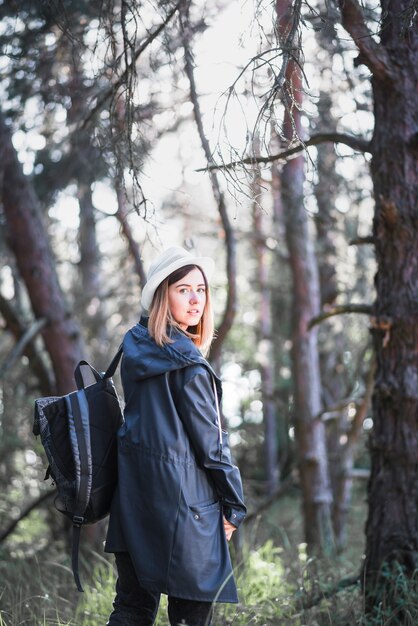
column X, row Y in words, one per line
column 152, row 360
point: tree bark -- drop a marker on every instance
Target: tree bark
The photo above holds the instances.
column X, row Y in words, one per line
column 392, row 525
column 309, row 429
column 28, row 240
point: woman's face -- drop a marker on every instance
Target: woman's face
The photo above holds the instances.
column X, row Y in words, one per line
column 187, row 299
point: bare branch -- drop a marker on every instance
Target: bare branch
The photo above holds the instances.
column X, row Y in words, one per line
column 15, row 326
column 109, row 93
column 352, row 141
column 10, row 528
column 334, row 411
column 288, row 33
column 19, row 348
column 360, row 241
column 340, row 310
column 358, row 472
column 373, row 55
column 357, row 423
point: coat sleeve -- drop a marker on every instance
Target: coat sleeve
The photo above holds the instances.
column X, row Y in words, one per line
column 196, row 406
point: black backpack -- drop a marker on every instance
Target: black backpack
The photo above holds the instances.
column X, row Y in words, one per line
column 78, row 432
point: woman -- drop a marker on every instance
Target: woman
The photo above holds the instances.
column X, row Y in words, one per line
column 179, row 497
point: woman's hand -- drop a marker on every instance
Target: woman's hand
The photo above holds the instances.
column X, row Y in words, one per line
column 229, row 529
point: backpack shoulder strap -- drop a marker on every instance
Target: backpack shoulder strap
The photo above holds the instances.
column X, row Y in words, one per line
column 114, row 363
column 86, row 375
column 78, row 422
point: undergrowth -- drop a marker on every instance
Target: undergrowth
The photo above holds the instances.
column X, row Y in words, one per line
column 41, row 593
column 276, row 580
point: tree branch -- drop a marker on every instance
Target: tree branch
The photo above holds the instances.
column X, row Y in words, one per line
column 361, row 241
column 10, row 528
column 29, row 334
column 141, row 48
column 360, row 473
column 357, row 424
column 339, row 310
column 356, row 143
column 15, row 326
column 373, row 55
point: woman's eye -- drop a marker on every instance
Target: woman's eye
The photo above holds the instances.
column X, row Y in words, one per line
column 201, row 290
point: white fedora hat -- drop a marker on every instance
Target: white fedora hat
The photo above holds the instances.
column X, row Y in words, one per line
column 168, row 262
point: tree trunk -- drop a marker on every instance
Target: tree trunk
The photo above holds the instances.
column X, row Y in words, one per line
column 28, row 240
column 87, row 241
column 331, row 360
column 333, row 371
column 392, row 525
column 229, row 234
column 280, row 297
column 265, row 348
column 309, row 428
column 133, row 247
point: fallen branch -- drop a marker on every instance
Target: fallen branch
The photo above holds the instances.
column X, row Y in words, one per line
column 365, row 309
column 356, row 143
column 10, row 528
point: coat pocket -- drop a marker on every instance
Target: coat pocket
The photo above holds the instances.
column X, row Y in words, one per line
column 205, row 508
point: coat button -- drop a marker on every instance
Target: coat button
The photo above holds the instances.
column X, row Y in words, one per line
column 196, row 516
column 234, row 514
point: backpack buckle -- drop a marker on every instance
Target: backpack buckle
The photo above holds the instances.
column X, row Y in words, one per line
column 78, row 520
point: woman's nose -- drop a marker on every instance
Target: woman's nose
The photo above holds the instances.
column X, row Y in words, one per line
column 193, row 297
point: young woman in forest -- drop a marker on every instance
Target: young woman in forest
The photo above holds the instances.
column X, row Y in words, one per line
column 179, row 497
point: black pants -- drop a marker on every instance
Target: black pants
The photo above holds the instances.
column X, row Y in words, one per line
column 135, row 606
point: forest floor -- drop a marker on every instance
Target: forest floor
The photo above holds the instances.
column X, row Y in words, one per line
column 277, row 581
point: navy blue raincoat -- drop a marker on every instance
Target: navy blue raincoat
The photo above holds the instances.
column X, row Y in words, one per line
column 176, row 477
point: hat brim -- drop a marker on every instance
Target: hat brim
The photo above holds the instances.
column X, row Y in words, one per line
column 206, row 264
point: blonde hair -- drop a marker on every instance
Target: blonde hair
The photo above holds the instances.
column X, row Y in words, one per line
column 161, row 320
